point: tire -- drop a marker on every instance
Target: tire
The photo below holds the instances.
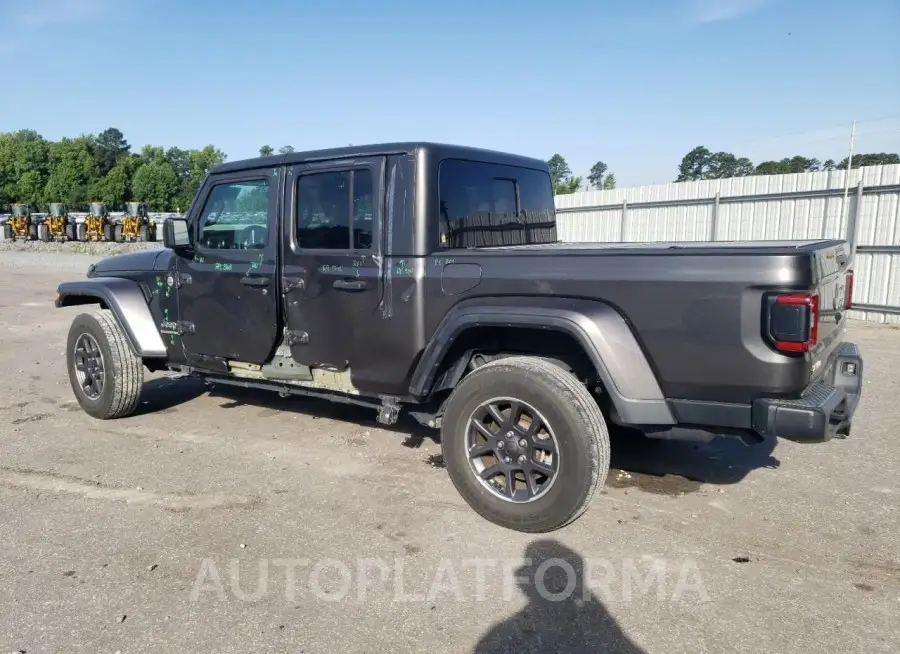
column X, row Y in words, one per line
column 577, row 426
column 80, row 232
column 70, row 232
column 7, row 232
column 122, row 371
column 107, row 232
column 32, row 232
column 43, row 232
column 117, row 234
column 144, row 233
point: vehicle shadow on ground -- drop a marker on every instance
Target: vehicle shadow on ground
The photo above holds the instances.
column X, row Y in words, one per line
column 674, row 467
column 235, row 396
column 562, row 615
column 163, row 394
column 652, row 465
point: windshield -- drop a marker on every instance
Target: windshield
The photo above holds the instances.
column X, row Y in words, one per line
column 486, row 204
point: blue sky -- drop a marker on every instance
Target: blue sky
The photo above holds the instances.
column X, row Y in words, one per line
column 636, row 84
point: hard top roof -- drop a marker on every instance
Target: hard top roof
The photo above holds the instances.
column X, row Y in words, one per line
column 441, row 150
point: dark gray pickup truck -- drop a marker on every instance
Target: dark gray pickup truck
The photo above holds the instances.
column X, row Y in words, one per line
column 429, row 279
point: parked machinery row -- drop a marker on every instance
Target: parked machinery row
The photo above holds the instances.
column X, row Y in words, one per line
column 135, row 224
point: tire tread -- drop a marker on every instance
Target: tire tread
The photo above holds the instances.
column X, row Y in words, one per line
column 128, row 368
column 589, row 413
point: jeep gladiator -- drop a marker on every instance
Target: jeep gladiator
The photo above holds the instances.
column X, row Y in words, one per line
column 429, row 279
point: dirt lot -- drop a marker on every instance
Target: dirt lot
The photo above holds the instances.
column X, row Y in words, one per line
column 235, row 521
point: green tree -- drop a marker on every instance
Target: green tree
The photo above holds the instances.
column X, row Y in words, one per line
column 788, row 165
column 609, row 182
column 114, row 188
column 559, row 169
column 156, row 183
column 595, row 177
column 701, row 163
column 74, row 169
column 266, row 150
column 110, row 145
column 568, row 185
column 202, row 161
column 285, row 149
column 30, row 188
column 24, row 167
column 870, row 159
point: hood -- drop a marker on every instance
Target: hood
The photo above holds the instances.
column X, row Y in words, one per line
column 144, row 260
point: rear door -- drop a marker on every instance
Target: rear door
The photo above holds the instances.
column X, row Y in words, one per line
column 332, row 260
column 228, row 297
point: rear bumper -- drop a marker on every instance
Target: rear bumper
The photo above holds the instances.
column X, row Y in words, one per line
column 826, row 408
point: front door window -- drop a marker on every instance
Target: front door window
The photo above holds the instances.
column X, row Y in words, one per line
column 235, row 216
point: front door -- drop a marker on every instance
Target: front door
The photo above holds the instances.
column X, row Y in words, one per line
column 332, row 271
column 228, row 294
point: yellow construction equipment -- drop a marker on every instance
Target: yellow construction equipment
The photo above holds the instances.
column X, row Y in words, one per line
column 56, row 226
column 136, row 224
column 19, row 225
column 96, row 226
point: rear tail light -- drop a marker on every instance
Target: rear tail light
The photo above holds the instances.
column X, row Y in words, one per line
column 848, row 290
column 793, row 321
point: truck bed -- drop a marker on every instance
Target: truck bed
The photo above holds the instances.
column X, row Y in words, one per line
column 696, row 308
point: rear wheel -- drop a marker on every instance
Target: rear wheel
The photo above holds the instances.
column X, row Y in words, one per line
column 106, row 376
column 43, row 232
column 144, row 233
column 70, row 232
column 32, row 232
column 117, row 234
column 80, row 232
column 7, row 232
column 525, row 444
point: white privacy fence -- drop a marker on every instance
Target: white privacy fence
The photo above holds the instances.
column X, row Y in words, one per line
column 765, row 207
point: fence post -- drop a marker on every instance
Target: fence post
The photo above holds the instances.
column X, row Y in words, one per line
column 714, row 218
column 853, row 221
column 624, row 217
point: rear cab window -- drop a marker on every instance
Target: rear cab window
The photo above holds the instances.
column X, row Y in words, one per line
column 486, row 204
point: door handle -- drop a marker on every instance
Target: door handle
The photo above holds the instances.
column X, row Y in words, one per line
column 255, row 280
column 349, row 284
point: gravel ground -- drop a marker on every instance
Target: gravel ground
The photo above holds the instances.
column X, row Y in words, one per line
column 93, row 248
column 226, row 521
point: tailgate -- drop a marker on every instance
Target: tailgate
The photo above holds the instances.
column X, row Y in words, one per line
column 834, row 286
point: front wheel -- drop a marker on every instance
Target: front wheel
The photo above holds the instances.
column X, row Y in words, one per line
column 105, row 374
column 525, row 444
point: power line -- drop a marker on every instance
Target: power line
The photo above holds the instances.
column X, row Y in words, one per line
column 842, row 136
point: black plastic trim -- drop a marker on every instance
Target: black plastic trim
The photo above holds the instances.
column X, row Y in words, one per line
column 824, row 410
column 720, row 414
column 128, row 304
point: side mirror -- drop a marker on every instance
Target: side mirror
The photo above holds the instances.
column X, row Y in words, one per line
column 175, row 234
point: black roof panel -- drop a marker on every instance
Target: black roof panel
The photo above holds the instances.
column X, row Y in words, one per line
column 440, row 149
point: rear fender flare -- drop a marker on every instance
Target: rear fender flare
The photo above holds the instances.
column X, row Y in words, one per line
column 599, row 328
column 125, row 299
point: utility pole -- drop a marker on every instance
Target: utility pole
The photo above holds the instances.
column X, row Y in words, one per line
column 850, row 226
column 849, row 167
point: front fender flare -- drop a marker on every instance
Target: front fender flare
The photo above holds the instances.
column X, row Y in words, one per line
column 126, row 300
column 599, row 328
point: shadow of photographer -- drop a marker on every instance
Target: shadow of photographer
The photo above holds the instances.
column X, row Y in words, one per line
column 560, row 616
